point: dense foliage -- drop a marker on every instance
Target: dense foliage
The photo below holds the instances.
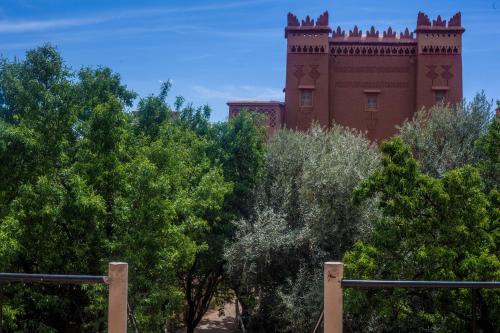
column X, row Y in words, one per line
column 84, row 182
column 303, row 216
column 444, row 136
column 437, row 218
column 432, row 229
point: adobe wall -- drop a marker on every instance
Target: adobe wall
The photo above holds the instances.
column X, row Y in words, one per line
column 272, row 112
column 439, row 59
column 391, row 78
column 383, row 64
column 332, row 75
column 307, row 68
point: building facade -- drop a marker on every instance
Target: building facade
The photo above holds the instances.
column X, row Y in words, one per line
column 369, row 81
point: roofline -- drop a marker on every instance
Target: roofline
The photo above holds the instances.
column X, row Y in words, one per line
column 252, row 102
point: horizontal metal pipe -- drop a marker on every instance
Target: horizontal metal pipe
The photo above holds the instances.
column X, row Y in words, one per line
column 417, row 284
column 53, row 278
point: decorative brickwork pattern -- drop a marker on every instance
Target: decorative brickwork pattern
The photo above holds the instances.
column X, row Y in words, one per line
column 436, row 49
column 373, row 50
column 307, row 49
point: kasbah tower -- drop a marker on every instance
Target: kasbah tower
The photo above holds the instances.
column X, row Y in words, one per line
column 370, row 81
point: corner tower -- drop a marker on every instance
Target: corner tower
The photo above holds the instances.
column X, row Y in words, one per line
column 439, row 60
column 306, row 89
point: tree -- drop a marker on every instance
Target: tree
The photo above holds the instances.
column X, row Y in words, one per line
column 489, row 150
column 432, row 229
column 153, row 111
column 444, row 137
column 238, row 147
column 47, row 210
column 83, row 183
column 303, row 215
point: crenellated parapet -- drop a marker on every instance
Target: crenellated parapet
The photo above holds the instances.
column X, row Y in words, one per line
column 372, row 43
column 373, row 35
column 355, row 32
column 322, row 20
column 435, row 36
column 308, row 36
column 293, row 21
column 423, row 20
column 439, row 37
column 339, row 33
column 456, row 20
column 389, row 33
column 307, row 22
column 307, row 25
column 454, row 24
column 406, row 35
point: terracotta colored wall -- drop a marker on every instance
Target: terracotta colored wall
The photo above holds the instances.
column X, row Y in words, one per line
column 390, row 78
column 341, row 68
column 307, row 73
column 307, row 68
column 439, row 59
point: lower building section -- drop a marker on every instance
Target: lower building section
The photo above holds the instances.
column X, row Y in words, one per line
column 272, row 112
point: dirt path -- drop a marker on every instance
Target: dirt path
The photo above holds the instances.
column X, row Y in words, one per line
column 212, row 323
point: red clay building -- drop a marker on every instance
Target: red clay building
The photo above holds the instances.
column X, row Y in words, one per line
column 372, row 81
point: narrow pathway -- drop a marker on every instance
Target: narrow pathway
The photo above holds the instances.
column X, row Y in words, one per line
column 212, row 323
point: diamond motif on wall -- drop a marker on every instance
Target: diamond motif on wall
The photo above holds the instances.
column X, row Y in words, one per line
column 431, row 74
column 314, row 73
column 299, row 73
column 446, row 74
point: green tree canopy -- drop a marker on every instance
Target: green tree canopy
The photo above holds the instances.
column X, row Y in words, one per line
column 84, row 182
column 444, row 136
column 432, row 229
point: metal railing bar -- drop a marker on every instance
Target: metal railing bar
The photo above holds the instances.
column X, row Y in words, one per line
column 53, row 278
column 417, row 284
column 320, row 320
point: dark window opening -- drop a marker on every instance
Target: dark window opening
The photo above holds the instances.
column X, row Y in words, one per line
column 440, row 96
column 306, row 98
column 372, row 101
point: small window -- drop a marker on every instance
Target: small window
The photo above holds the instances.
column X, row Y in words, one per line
column 372, row 101
column 306, row 98
column 440, row 96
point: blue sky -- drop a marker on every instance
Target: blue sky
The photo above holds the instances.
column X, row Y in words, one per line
column 222, row 49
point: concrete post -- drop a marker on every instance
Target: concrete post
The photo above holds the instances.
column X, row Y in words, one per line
column 332, row 277
column 117, row 299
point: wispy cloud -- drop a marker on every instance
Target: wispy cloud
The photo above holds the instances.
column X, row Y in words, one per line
column 36, row 25
column 238, row 92
column 7, row 26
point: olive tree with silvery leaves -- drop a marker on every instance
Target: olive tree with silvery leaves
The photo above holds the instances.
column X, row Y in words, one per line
column 303, row 216
column 444, row 136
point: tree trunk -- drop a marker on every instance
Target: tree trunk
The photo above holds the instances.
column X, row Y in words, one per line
column 132, row 320
column 199, row 291
column 190, row 328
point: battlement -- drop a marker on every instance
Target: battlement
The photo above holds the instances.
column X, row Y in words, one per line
column 436, row 37
column 372, row 35
column 454, row 24
column 307, row 26
column 424, row 24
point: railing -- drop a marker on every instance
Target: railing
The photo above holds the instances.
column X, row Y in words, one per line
column 334, row 285
column 117, row 281
column 240, row 325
